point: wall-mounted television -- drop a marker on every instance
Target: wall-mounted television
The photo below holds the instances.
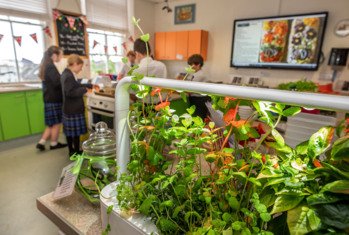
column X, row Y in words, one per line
column 281, row 42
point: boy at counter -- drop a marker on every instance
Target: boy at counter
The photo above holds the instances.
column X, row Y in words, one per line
column 197, row 62
column 147, row 65
column 74, row 123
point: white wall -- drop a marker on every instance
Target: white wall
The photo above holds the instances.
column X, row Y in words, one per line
column 217, row 18
column 145, row 11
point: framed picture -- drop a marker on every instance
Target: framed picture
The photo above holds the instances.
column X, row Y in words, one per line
column 184, row 14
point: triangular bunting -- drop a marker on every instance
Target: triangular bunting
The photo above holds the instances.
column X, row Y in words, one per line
column 115, row 49
column 124, row 46
column 71, row 21
column 56, row 14
column 1, row 36
column 18, row 39
column 106, row 49
column 34, row 37
column 47, row 31
column 94, row 44
column 84, row 20
column 131, row 39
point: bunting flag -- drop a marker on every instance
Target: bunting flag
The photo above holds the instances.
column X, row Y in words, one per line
column 34, row 37
column 56, row 14
column 18, row 39
column 124, row 46
column 95, row 43
column 47, row 31
column 115, row 49
column 84, row 20
column 131, row 39
column 106, row 49
column 71, row 21
column 1, row 36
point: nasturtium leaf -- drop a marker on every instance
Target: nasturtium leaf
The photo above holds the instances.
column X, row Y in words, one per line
column 291, row 111
column 236, row 226
column 285, row 203
column 191, row 109
column 265, row 216
column 184, row 97
column 227, row 217
column 233, row 203
column 189, row 70
column 135, row 21
column 124, row 60
column 110, row 209
column 145, row 37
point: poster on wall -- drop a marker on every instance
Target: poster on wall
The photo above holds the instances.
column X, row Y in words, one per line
column 71, row 33
column 184, row 14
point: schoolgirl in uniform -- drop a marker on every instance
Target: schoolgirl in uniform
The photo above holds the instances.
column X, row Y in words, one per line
column 74, row 123
column 52, row 94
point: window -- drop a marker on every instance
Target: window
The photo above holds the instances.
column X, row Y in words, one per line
column 103, row 56
column 20, row 63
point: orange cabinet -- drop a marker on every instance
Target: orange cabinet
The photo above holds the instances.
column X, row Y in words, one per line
column 180, row 45
column 160, row 40
column 170, row 45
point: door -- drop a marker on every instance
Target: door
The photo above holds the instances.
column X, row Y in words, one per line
column 35, row 108
column 170, row 46
column 182, row 45
column 160, row 42
column 14, row 118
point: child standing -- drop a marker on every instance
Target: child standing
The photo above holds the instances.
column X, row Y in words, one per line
column 52, row 94
column 74, row 123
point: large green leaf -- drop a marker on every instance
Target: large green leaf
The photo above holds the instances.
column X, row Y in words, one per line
column 344, row 174
column 339, row 186
column 302, row 220
column 146, row 205
column 340, row 149
column 334, row 215
column 322, row 198
column 285, row 203
column 320, row 141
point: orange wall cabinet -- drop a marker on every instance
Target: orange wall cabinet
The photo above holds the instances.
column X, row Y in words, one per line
column 160, row 43
column 180, row 45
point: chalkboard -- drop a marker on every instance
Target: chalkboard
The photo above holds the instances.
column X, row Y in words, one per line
column 71, row 34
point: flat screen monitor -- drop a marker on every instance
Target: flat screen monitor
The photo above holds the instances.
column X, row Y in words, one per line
column 281, row 42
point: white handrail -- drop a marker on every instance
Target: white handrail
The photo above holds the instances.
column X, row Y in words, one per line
column 315, row 100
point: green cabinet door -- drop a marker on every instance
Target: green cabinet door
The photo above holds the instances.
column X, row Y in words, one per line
column 1, row 135
column 35, row 108
column 13, row 112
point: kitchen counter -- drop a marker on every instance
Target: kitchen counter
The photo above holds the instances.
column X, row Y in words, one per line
column 18, row 87
column 72, row 215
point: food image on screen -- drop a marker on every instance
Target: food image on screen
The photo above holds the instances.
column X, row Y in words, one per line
column 273, row 43
column 303, row 41
column 291, row 41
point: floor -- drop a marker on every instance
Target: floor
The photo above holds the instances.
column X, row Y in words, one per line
column 25, row 175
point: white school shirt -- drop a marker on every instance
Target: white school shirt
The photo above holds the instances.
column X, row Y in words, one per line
column 198, row 76
column 155, row 68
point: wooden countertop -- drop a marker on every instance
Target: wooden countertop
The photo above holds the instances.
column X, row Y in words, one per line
column 72, row 215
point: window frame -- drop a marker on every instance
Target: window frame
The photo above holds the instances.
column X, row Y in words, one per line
column 10, row 21
column 105, row 33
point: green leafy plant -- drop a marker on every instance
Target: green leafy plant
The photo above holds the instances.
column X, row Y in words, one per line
column 301, row 85
column 192, row 177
